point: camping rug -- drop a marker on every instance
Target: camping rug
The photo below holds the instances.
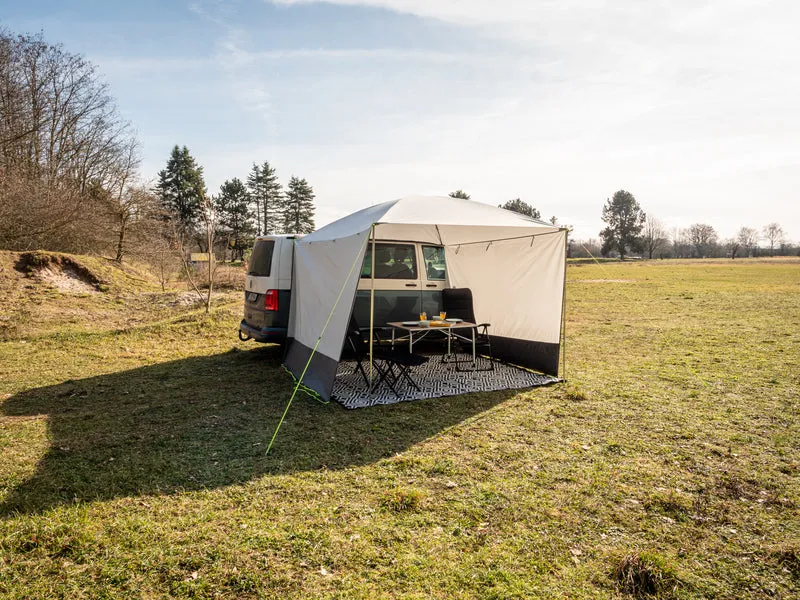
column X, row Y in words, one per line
column 434, row 380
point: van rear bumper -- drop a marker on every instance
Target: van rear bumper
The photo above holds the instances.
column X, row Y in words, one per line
column 270, row 335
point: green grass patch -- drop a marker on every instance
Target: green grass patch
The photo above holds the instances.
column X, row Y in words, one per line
column 133, row 434
column 403, row 498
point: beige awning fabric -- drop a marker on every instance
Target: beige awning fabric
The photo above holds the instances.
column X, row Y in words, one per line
column 517, row 285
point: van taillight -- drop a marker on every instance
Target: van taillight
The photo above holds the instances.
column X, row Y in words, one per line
column 271, row 300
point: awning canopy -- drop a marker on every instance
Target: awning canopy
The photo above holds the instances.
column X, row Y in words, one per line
column 513, row 264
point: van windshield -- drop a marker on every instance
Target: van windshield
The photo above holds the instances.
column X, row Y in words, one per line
column 261, row 259
column 392, row 261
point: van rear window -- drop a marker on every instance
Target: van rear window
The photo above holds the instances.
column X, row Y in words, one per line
column 261, row 259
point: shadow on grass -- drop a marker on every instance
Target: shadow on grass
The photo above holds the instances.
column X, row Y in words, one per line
column 203, row 423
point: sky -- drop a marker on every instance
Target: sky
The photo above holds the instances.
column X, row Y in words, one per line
column 692, row 106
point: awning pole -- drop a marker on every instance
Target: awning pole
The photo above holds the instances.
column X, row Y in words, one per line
column 564, row 311
column 371, row 305
column 299, row 381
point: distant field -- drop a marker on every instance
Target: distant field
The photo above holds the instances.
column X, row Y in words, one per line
column 133, row 430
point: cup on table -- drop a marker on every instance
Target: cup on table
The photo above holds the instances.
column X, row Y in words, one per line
column 423, row 316
column 442, row 316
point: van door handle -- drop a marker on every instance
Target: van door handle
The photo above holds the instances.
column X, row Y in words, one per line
column 430, row 285
column 411, row 285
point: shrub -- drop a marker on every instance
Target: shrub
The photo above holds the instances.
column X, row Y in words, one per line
column 646, row 574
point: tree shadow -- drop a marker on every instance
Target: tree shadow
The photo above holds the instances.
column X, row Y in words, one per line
column 202, row 423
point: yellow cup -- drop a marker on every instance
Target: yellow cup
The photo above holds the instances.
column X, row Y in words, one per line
column 423, row 316
column 442, row 315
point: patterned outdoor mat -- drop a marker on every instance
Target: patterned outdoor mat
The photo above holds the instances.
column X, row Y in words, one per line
column 435, row 381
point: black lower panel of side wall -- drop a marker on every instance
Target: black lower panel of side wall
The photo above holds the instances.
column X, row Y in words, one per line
column 321, row 370
column 541, row 356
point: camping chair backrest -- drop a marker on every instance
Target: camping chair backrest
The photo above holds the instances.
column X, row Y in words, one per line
column 457, row 303
column 354, row 341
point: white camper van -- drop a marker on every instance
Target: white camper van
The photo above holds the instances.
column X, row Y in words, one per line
column 409, row 279
column 268, row 289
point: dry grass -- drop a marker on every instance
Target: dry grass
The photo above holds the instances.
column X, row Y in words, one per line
column 48, row 293
column 646, row 575
column 230, row 277
column 133, row 458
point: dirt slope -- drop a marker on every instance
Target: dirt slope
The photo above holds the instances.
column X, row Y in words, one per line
column 41, row 292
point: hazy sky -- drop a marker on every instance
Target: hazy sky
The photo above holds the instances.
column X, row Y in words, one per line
column 692, row 106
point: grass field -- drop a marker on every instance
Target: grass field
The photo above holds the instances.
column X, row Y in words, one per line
column 132, row 454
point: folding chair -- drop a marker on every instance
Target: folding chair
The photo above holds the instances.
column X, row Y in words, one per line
column 355, row 349
column 457, row 302
column 399, row 362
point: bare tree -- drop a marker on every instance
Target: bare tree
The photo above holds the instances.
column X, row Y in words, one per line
column 126, row 204
column 161, row 257
column 654, row 236
column 681, row 244
column 787, row 248
column 703, row 237
column 773, row 233
column 30, row 213
column 61, row 121
column 62, row 140
column 732, row 246
column 747, row 238
column 209, row 214
column 181, row 244
column 136, row 216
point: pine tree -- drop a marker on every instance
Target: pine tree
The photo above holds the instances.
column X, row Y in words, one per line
column 180, row 188
column 267, row 196
column 235, row 215
column 298, row 207
column 625, row 220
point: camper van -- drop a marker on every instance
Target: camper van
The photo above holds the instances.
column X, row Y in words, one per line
column 409, row 279
column 268, row 289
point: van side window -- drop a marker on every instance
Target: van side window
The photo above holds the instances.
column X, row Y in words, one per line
column 261, row 258
column 435, row 265
column 392, row 261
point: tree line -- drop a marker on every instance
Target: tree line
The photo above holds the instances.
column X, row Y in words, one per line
column 70, row 180
column 240, row 210
column 631, row 231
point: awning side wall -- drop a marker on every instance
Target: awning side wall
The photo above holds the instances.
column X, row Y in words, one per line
column 320, row 276
column 517, row 286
